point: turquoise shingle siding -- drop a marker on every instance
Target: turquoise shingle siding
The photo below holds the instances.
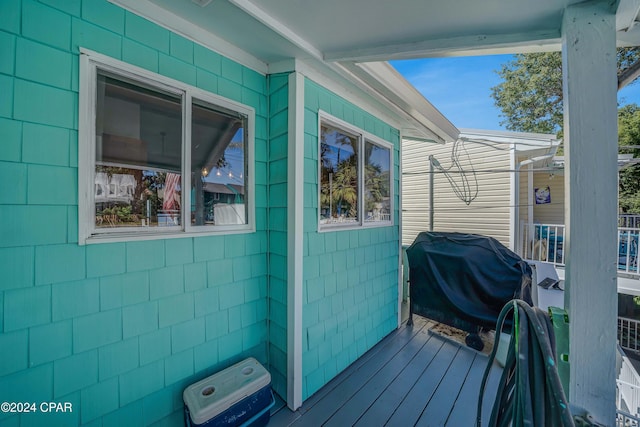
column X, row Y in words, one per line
column 6, row 101
column 350, row 276
column 11, row 136
column 117, row 329
column 56, row 32
column 45, row 145
column 120, row 329
column 140, row 55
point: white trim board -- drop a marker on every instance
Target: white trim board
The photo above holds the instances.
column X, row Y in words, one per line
column 345, row 88
column 295, row 239
column 360, row 93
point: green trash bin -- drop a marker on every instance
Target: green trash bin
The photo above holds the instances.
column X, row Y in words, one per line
column 560, row 321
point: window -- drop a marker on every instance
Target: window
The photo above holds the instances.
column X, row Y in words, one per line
column 158, row 157
column 355, row 177
column 377, row 182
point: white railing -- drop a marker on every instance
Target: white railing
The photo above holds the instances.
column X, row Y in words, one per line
column 625, row 419
column 542, row 242
column 545, row 242
column 628, row 333
column 629, row 220
column 628, row 384
column 628, row 250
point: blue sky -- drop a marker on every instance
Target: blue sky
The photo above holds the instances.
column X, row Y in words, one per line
column 460, row 87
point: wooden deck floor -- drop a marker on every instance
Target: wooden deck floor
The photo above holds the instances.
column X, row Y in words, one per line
column 412, row 377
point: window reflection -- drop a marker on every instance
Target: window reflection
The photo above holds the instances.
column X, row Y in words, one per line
column 137, row 181
column 338, row 176
column 377, row 183
column 218, row 172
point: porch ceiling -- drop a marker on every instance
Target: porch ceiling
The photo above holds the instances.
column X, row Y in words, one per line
column 361, row 30
column 267, row 35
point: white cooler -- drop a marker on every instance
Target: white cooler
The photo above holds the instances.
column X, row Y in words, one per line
column 237, row 396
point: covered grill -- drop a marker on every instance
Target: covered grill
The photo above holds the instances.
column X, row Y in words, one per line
column 464, row 280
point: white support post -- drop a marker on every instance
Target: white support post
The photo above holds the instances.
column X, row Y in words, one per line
column 514, row 200
column 295, row 211
column 400, row 253
column 530, row 200
column 590, row 131
column 530, row 217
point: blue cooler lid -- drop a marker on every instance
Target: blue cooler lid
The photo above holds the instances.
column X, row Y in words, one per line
column 215, row 394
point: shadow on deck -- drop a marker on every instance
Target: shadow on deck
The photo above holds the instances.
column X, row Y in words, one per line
column 412, row 377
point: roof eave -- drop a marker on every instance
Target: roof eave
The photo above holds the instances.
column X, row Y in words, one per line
column 523, row 143
column 423, row 119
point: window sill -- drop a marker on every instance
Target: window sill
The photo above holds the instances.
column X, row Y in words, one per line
column 141, row 236
column 324, row 228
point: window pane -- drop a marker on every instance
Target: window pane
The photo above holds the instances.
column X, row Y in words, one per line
column 338, row 176
column 218, row 166
column 377, row 183
column 138, row 155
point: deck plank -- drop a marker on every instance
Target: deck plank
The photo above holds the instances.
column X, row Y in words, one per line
column 344, row 386
column 441, row 403
column 349, row 413
column 465, row 407
column 491, row 391
column 414, row 376
column 285, row 417
column 409, row 411
column 384, row 406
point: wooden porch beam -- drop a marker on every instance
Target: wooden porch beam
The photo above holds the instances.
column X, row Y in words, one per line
column 590, row 126
column 479, row 44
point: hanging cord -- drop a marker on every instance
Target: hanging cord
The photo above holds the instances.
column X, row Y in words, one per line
column 462, row 190
column 529, row 392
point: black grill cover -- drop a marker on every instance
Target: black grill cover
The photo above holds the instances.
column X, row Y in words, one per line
column 464, row 280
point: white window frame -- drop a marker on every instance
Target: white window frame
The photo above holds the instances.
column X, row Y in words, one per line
column 326, row 118
column 90, row 63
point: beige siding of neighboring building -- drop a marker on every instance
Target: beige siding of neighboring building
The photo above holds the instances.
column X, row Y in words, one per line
column 551, row 213
column 489, row 214
column 415, row 188
column 531, row 213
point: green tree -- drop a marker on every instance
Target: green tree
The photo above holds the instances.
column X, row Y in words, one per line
column 339, row 176
column 374, row 185
column 530, row 93
column 629, row 140
column 345, row 184
column 530, row 98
